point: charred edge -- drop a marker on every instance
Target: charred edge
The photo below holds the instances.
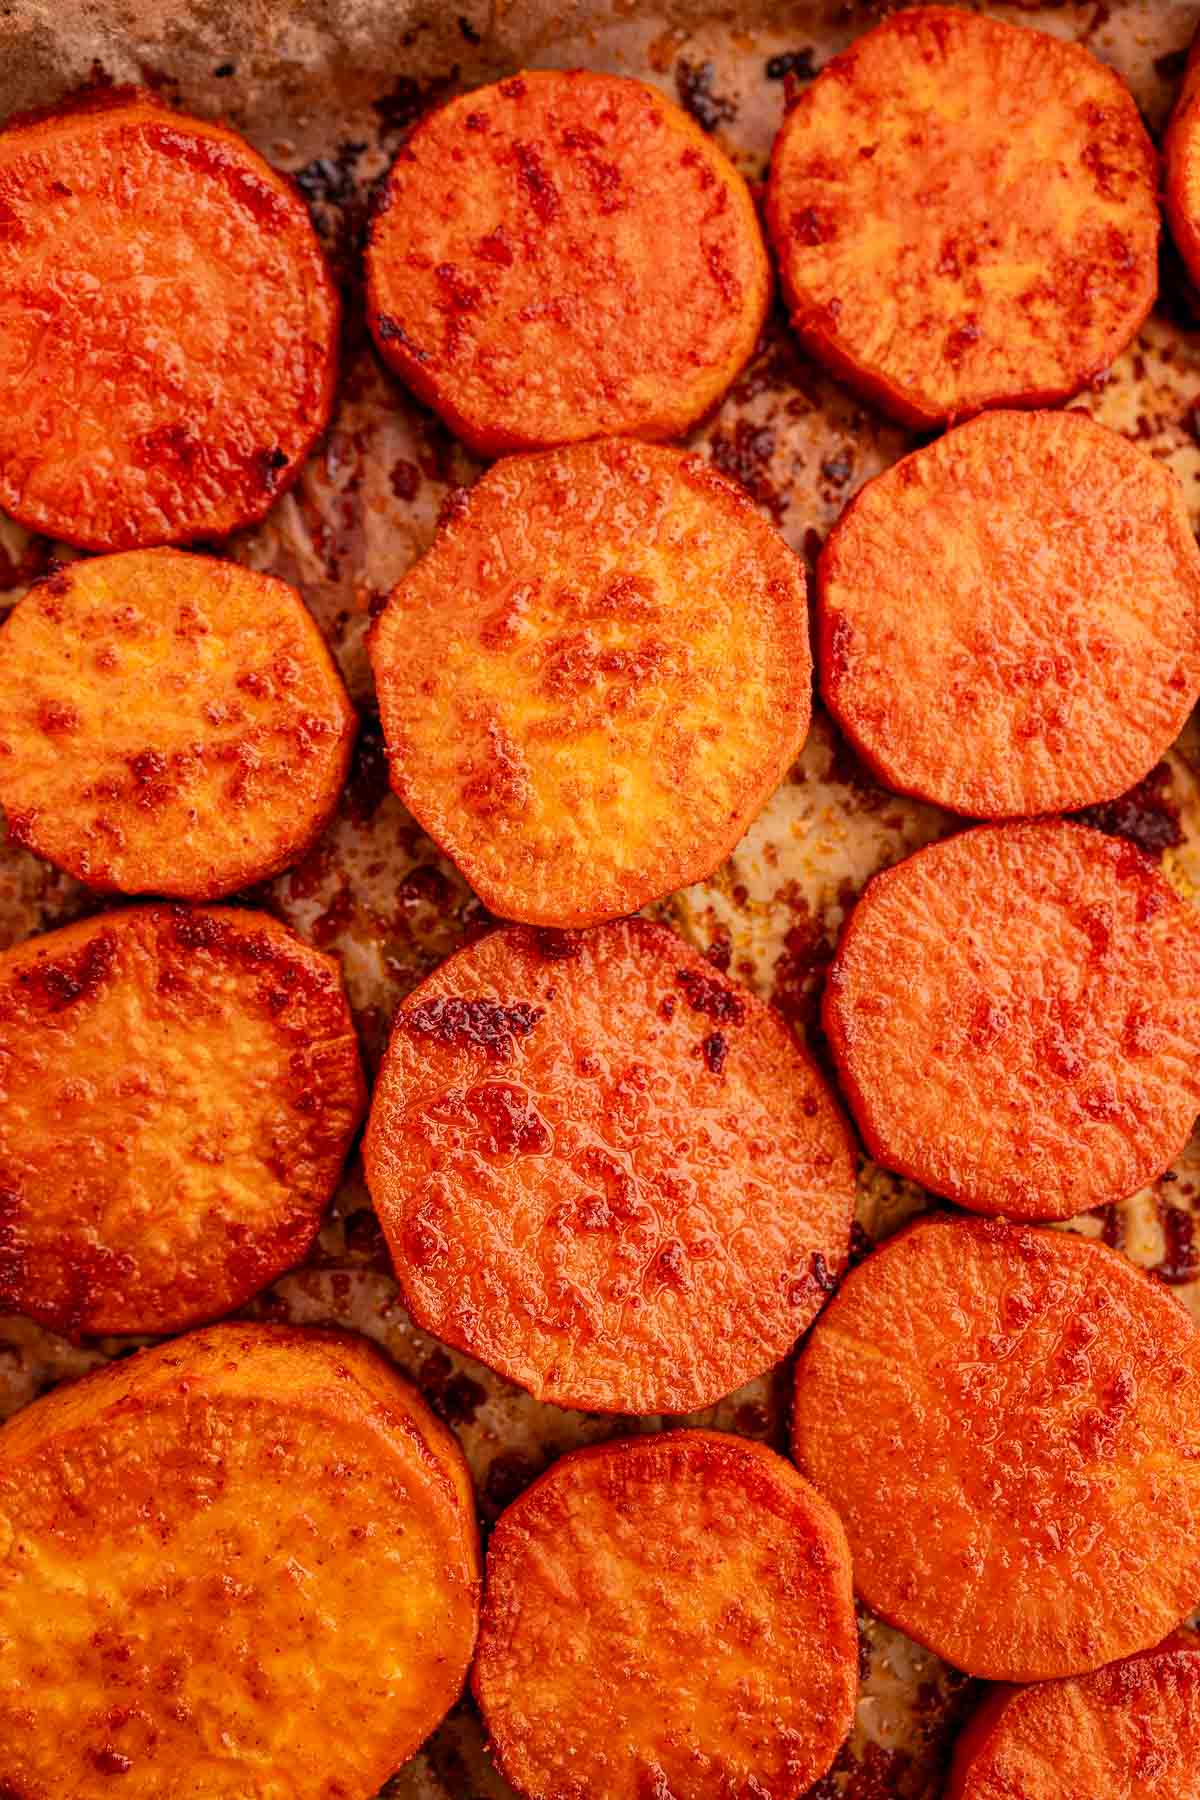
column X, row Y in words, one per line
column 391, row 331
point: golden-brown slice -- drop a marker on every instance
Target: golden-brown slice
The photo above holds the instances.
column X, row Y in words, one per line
column 1129, row 1732
column 1006, row 1422
column 606, row 1170
column 594, row 678
column 562, row 256
column 667, row 1615
column 1015, row 1016
column 242, row 1566
column 965, row 215
column 1181, row 150
column 1010, row 617
column 169, row 328
column 169, row 724
column 178, row 1091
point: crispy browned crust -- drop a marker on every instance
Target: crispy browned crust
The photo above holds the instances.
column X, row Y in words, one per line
column 1181, row 158
column 169, row 724
column 606, row 1170
column 1009, row 618
column 1132, row 1729
column 178, row 1092
column 203, row 1549
column 594, row 679
column 964, row 214
column 121, row 428
column 1005, row 1421
column 565, row 255
column 668, row 1614
column 1015, row 1017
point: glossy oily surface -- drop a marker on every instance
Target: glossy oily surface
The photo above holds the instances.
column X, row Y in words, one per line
column 565, row 255
column 1015, row 1017
column 1010, row 617
column 964, row 214
column 594, row 678
column 1005, row 1422
column 1128, row 1732
column 178, row 1092
column 606, row 1170
column 168, row 340
column 211, row 1552
column 169, row 724
column 668, row 1615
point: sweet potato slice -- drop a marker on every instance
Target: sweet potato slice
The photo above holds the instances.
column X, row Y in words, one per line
column 1181, row 150
column 1015, row 1015
column 1006, row 1420
column 169, row 328
column 667, row 1615
column 565, row 256
column 594, row 679
column 178, row 1091
column 1128, row 1732
column 1010, row 617
column 169, row 724
column 244, row 1563
column 965, row 215
column 605, row 1170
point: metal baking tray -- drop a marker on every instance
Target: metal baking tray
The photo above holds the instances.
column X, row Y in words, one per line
column 327, row 92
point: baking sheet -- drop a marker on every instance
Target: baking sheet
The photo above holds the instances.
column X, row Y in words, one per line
column 327, row 90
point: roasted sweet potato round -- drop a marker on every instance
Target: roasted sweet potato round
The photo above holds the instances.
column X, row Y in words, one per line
column 169, row 328
column 1128, row 1732
column 1181, row 149
column 594, row 679
column 1009, row 619
column 565, row 256
column 605, row 1170
column 178, row 1091
column 965, row 215
column 169, row 724
column 1006, row 1420
column 1015, row 1016
column 243, row 1563
column 667, row 1615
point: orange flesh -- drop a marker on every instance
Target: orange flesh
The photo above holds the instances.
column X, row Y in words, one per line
column 565, row 256
column 1129, row 1732
column 1006, row 1421
column 169, row 724
column 605, row 1170
column 1010, row 618
column 964, row 214
column 594, row 678
column 168, row 340
column 667, row 1615
column 243, row 1565
column 1181, row 151
column 1015, row 1017
column 178, row 1092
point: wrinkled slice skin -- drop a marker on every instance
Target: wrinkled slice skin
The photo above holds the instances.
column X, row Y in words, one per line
column 178, row 1092
column 594, row 679
column 964, row 214
column 168, row 338
column 1006, row 1421
column 1181, row 152
column 605, row 1170
column 1010, row 618
column 243, row 1565
column 667, row 1615
column 1015, row 1017
column 169, row 724
column 1129, row 1732
column 563, row 256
